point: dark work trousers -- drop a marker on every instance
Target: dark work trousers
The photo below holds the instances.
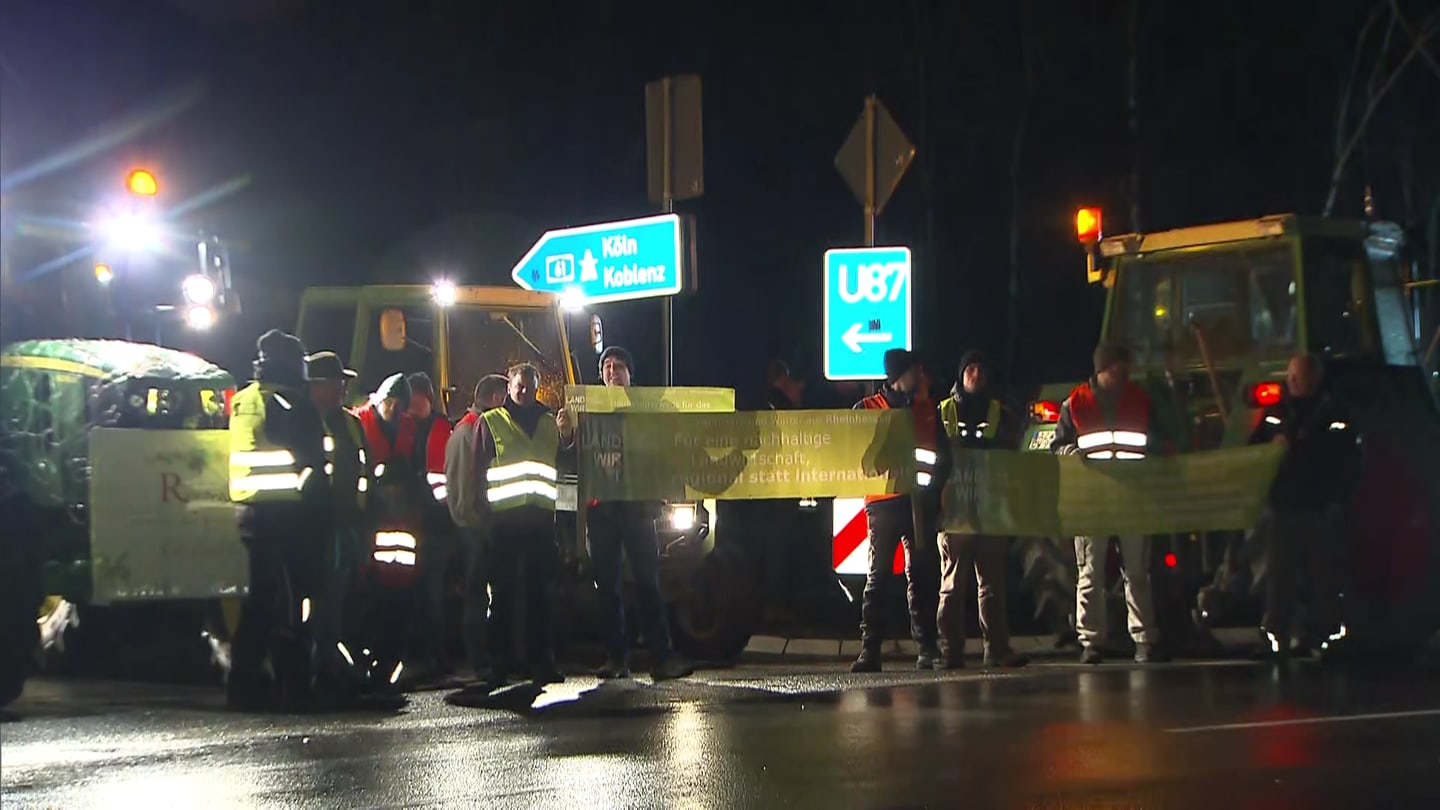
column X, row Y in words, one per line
column 474, row 545
column 438, row 552
column 963, row 558
column 287, row 566
column 891, row 523
column 1301, row 541
column 620, row 531
column 523, row 549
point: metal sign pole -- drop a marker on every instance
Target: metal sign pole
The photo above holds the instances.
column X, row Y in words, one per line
column 667, row 313
column 870, row 171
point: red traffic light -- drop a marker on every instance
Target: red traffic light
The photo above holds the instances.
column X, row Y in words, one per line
column 142, row 183
column 1087, row 225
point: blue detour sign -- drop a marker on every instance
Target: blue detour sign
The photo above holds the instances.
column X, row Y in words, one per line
column 612, row 261
column 867, row 310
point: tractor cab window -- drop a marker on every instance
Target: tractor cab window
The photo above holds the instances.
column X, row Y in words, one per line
column 418, row 353
column 1337, row 307
column 489, row 341
column 328, row 328
column 1239, row 299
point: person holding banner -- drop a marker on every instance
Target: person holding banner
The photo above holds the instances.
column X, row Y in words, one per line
column 973, row 417
column 1318, row 473
column 518, row 445
column 626, row 529
column 1106, row 419
column 892, row 520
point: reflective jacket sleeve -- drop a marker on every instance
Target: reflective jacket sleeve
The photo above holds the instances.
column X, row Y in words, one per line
column 944, row 452
column 1065, row 436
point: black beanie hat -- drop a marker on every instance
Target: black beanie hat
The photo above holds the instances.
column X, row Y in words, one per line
column 420, row 385
column 897, row 362
column 395, row 386
column 619, row 353
column 280, row 356
column 972, row 357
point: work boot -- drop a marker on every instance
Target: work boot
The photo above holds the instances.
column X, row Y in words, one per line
column 1090, row 655
column 612, row 670
column 929, row 656
column 670, row 668
column 1008, row 659
column 547, row 674
column 953, row 661
column 869, row 661
column 1146, row 653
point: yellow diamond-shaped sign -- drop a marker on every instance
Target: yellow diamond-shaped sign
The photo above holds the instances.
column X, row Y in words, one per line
column 892, row 153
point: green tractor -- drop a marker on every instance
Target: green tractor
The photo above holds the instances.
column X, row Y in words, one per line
column 1213, row 313
column 459, row 334
column 113, row 491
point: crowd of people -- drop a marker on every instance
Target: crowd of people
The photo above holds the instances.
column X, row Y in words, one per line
column 1107, row 419
column 313, row 480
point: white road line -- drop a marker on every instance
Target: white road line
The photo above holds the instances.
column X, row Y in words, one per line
column 1305, row 721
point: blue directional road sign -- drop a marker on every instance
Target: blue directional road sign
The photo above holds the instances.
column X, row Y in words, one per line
column 867, row 310
column 612, row 261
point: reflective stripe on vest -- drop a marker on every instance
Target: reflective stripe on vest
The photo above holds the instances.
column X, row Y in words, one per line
column 260, row 470
column 950, row 416
column 1102, row 437
column 523, row 471
column 355, row 471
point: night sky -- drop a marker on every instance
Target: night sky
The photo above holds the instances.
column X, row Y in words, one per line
column 397, row 141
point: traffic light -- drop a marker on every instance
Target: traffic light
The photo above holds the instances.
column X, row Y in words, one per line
column 141, row 183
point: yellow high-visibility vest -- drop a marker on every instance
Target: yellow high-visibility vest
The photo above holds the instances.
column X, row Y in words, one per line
column 950, row 417
column 523, row 471
column 348, row 470
column 261, row 470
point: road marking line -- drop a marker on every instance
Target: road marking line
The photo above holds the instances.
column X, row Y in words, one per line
column 1347, row 718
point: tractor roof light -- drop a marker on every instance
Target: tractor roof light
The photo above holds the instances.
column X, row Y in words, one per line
column 142, row 183
column 104, row 274
column 444, row 293
column 1087, row 225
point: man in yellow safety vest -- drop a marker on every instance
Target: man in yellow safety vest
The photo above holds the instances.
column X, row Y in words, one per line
column 517, row 446
column 973, row 417
column 284, row 511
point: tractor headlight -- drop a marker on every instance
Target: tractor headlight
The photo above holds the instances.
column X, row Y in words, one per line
column 682, row 517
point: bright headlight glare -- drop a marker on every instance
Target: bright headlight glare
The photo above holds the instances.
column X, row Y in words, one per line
column 444, row 293
column 682, row 517
column 132, row 231
column 200, row 317
column 198, row 289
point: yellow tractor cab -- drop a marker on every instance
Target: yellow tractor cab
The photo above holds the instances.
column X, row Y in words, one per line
column 460, row 333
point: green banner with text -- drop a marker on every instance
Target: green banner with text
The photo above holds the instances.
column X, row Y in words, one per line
column 760, row 454
column 674, row 399
column 1000, row 492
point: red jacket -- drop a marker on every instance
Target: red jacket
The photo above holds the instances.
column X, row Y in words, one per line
column 382, row 451
column 922, row 411
column 435, row 444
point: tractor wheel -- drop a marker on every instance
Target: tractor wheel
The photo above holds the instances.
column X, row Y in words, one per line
column 715, row 617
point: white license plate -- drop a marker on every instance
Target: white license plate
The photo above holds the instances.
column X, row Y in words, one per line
column 1042, row 440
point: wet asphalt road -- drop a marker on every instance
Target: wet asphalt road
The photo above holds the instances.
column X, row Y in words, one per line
column 1209, row 734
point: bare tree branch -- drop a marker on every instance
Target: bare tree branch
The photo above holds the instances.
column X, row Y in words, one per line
column 1414, row 35
column 1342, row 118
column 1426, row 32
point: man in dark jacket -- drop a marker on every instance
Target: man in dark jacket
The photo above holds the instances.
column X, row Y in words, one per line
column 621, row 530
column 974, row 418
column 1317, row 475
column 284, row 511
column 892, row 522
